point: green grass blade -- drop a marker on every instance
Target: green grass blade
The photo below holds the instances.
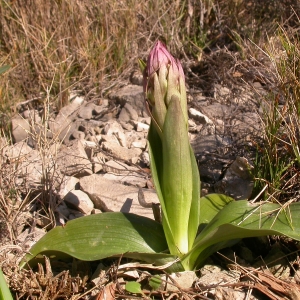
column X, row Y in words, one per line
column 4, row 69
column 4, row 290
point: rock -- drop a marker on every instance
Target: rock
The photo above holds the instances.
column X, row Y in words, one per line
column 211, row 275
column 180, row 280
column 145, row 158
column 209, row 144
column 62, row 125
column 73, row 161
column 120, row 152
column 29, row 237
column 80, row 201
column 198, row 116
column 32, row 115
column 132, row 94
column 123, row 173
column 20, row 129
column 79, row 135
column 98, row 160
column 237, row 181
column 137, row 78
column 110, row 195
column 63, row 210
column 86, row 111
column 142, row 144
column 225, row 293
column 115, row 129
column 128, row 113
column 16, row 152
column 69, row 184
column 142, row 127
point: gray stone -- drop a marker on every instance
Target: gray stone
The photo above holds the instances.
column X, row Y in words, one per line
column 198, row 116
column 16, row 152
column 69, row 184
column 180, row 280
column 62, row 125
column 123, row 173
column 209, row 144
column 79, row 135
column 32, row 115
column 73, row 161
column 109, row 195
column 114, row 128
column 86, row 111
column 128, row 113
column 237, row 181
column 20, row 129
column 120, row 152
column 226, row 293
column 132, row 94
column 80, row 201
column 98, row 161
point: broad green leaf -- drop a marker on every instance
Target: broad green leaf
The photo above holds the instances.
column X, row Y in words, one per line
column 241, row 219
column 177, row 177
column 210, row 205
column 103, row 235
column 4, row 290
column 133, row 287
column 4, row 68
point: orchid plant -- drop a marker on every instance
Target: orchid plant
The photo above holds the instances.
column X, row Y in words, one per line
column 192, row 227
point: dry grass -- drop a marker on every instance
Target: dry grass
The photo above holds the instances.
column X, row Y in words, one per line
column 84, row 45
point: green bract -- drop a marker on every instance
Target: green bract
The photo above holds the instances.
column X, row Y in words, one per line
column 174, row 245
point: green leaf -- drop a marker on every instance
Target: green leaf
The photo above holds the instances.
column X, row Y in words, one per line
column 156, row 164
column 4, row 68
column 155, row 282
column 195, row 217
column 104, row 235
column 241, row 219
column 4, row 290
column 133, row 287
column 177, row 177
column 210, row 205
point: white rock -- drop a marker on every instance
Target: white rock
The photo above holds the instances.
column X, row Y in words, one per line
column 109, row 195
column 139, row 144
column 114, row 128
column 198, row 116
column 79, row 200
column 142, row 127
column 69, row 184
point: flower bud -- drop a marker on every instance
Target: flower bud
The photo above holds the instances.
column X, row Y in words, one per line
column 163, row 79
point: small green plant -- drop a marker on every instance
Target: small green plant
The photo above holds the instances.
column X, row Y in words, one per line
column 192, row 228
column 278, row 159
